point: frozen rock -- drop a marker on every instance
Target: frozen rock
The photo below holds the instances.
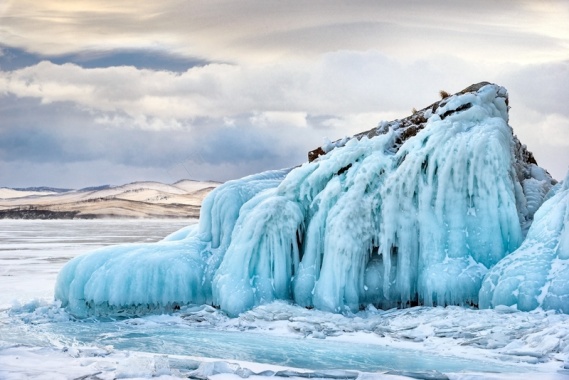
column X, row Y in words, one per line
column 415, row 211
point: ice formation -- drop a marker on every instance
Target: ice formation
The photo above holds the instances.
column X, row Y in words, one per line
column 537, row 274
column 132, row 279
column 415, row 211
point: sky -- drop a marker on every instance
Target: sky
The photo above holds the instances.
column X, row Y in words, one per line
column 96, row 92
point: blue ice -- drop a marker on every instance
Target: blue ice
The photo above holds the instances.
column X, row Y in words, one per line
column 537, row 274
column 364, row 223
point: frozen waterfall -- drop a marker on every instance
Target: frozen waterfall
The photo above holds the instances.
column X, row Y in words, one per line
column 407, row 215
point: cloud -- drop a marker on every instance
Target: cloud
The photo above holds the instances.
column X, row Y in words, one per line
column 253, row 31
column 337, row 83
column 551, row 155
column 62, row 137
column 153, row 59
column 541, row 87
column 539, row 115
column 221, row 89
column 245, row 113
column 79, row 174
column 546, row 135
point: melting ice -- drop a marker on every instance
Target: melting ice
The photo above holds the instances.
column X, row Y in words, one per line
column 384, row 220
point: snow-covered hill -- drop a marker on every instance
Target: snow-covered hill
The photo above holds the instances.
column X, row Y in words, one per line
column 136, row 200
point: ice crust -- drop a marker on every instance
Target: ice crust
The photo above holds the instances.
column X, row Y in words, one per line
column 364, row 224
column 537, row 274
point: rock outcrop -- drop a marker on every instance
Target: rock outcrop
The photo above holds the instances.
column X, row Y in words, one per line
column 416, row 211
column 535, row 183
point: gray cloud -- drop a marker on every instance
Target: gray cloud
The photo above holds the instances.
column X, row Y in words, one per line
column 70, row 140
column 539, row 114
column 14, row 58
column 541, row 87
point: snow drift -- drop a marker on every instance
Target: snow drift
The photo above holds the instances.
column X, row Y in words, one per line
column 415, row 211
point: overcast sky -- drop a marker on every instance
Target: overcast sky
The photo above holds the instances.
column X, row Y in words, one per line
column 99, row 92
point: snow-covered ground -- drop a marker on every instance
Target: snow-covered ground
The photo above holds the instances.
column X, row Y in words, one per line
column 40, row 340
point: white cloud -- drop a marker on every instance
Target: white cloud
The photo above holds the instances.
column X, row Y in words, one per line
column 338, row 83
column 351, row 124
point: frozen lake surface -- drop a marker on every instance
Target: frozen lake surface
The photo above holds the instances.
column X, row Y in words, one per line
column 174, row 337
column 458, row 342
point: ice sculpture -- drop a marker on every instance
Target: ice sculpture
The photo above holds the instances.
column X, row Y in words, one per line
column 414, row 211
column 537, row 274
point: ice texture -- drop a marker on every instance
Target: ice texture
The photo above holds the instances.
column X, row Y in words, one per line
column 132, row 279
column 537, row 274
column 389, row 221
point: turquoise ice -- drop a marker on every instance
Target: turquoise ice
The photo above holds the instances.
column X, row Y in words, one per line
column 365, row 223
column 537, row 274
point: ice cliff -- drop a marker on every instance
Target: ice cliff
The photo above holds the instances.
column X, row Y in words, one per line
column 415, row 211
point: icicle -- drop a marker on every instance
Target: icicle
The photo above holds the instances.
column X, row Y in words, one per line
column 263, row 257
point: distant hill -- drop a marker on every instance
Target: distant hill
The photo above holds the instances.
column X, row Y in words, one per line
column 134, row 200
column 94, row 188
column 42, row 189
